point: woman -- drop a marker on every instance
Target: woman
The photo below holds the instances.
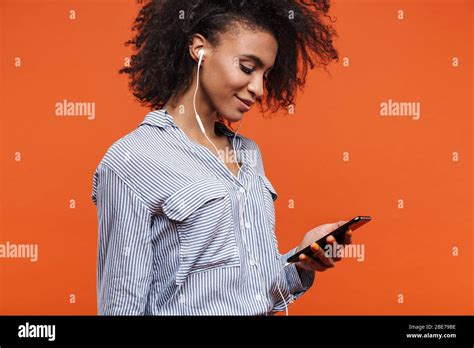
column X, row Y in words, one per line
column 185, row 210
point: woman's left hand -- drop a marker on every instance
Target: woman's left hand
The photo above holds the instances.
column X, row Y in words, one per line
column 319, row 262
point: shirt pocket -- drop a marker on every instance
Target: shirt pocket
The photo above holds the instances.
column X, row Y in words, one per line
column 269, row 196
column 202, row 212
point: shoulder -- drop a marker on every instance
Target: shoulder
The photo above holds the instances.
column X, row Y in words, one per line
column 122, row 149
column 124, row 156
column 134, row 150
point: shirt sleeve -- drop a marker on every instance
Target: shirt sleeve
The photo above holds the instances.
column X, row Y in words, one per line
column 124, row 260
column 296, row 285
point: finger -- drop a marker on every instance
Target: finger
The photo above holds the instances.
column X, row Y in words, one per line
column 348, row 237
column 312, row 264
column 334, row 248
column 319, row 254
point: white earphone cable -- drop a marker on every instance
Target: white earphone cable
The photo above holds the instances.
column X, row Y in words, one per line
column 201, row 126
column 198, row 118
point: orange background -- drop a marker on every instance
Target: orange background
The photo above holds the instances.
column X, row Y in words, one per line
column 407, row 251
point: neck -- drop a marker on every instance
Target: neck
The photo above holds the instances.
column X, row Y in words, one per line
column 182, row 110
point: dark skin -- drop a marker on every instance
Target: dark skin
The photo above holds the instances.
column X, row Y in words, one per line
column 319, row 262
column 226, row 74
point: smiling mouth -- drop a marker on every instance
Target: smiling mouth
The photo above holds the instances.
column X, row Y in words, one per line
column 243, row 106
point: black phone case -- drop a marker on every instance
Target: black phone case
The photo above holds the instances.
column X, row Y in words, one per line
column 338, row 234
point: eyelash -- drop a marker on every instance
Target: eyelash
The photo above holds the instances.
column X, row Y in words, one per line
column 248, row 71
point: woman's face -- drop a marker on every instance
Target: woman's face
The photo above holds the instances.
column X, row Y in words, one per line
column 229, row 72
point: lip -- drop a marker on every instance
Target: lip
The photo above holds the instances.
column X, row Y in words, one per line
column 245, row 104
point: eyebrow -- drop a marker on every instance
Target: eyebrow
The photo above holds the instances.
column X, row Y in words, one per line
column 256, row 59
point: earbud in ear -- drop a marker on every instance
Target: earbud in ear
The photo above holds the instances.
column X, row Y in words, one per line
column 201, row 54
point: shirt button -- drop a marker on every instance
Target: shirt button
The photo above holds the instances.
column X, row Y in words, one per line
column 247, row 225
column 181, row 299
column 252, row 262
column 258, row 297
column 242, row 190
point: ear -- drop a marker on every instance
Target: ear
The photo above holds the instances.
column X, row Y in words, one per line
column 198, row 43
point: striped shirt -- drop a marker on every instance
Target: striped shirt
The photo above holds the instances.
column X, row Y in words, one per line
column 179, row 234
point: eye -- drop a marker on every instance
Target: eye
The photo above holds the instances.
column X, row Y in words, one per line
column 246, row 70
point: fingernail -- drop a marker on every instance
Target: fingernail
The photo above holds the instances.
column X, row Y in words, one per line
column 302, row 257
column 315, row 246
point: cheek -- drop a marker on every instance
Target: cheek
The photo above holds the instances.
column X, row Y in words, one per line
column 225, row 80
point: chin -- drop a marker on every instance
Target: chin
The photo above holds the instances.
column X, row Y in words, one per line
column 234, row 116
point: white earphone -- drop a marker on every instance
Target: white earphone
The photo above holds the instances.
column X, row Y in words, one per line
column 203, row 130
column 201, row 54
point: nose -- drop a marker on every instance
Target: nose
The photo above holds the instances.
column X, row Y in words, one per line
column 256, row 86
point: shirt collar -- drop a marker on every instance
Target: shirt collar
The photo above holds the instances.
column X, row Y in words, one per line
column 161, row 118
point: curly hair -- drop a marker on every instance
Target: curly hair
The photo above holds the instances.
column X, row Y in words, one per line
column 162, row 66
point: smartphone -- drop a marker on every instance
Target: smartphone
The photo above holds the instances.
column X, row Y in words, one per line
column 338, row 234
